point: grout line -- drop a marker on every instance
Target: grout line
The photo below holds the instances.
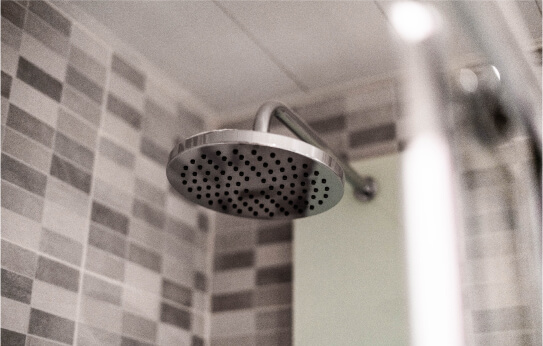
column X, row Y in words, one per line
column 263, row 48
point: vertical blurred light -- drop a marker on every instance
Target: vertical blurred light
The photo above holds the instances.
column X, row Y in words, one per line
column 427, row 173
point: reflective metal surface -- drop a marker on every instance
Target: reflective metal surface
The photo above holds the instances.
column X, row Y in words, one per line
column 255, row 174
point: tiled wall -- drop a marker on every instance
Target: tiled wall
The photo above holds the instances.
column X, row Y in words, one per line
column 96, row 248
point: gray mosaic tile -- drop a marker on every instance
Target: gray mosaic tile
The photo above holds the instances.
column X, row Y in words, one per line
column 51, row 16
column 107, row 240
column 103, row 263
column 489, row 177
column 22, row 175
column 329, row 124
column 89, row 336
column 6, row 84
column 25, row 123
column 274, row 233
column 160, row 124
column 9, row 337
column 180, row 229
column 177, row 317
column 51, row 327
column 74, row 151
column 43, row 32
column 15, row 315
column 381, row 133
column 150, row 193
column 13, row 12
column 70, row 174
column 150, row 149
column 32, row 340
column 149, row 214
column 274, row 275
column 232, row 301
column 283, row 338
column 197, row 341
column 273, row 295
column 116, row 153
column 58, row 274
column 139, row 327
column 176, row 293
column 16, row 287
column 21, row 202
column 21, row 147
column 145, row 258
column 125, row 70
column 510, row 318
column 126, row 341
column 61, row 247
column 76, row 129
column 109, row 218
column 102, row 290
column 84, row 85
column 18, row 260
column 11, row 38
column 87, row 65
column 234, row 260
column 124, row 111
column 81, row 105
column 200, row 281
column 274, row 319
column 192, row 123
column 39, row 79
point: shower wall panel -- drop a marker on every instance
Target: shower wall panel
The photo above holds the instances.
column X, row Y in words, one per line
column 96, row 247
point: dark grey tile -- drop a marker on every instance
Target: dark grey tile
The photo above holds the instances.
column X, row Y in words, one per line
column 88, row 336
column 274, row 275
column 102, row 290
column 51, row 16
column 83, row 84
column 275, row 233
column 51, row 327
column 13, row 12
column 74, row 151
column 150, row 149
column 10, row 338
column 144, row 257
column 139, row 327
column 26, row 124
column 330, row 124
column 180, row 229
column 11, row 34
column 21, row 202
column 200, row 281
column 232, row 301
column 381, row 133
column 87, row 65
column 6, row 84
column 18, row 260
column 176, row 293
column 81, row 105
column 177, row 317
column 149, row 214
column 57, row 274
column 107, row 240
column 61, row 247
column 24, row 176
column 203, row 222
column 116, row 153
column 46, row 34
column 489, row 177
column 128, row 72
column 124, row 111
column 273, row 295
column 197, row 341
column 234, row 260
column 16, row 287
column 39, row 79
column 510, row 318
column 109, row 218
column 70, row 174
column 126, row 341
column 283, row 338
column 274, row 319
column 76, row 129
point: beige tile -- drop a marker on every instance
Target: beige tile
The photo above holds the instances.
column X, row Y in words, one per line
column 199, row 301
column 182, row 209
column 103, row 263
column 233, row 323
column 234, row 281
column 110, row 195
column 147, row 235
column 177, row 271
column 81, row 38
column 152, row 172
column 41, row 107
column 139, row 327
column 126, row 91
column 46, row 59
column 101, row 314
column 27, row 150
column 141, row 303
column 54, row 299
column 243, row 340
column 67, row 196
column 20, row 230
column 139, row 277
column 120, row 131
column 64, row 221
column 78, row 130
column 10, row 58
column 169, row 335
column 275, row 254
column 15, row 315
column 116, row 175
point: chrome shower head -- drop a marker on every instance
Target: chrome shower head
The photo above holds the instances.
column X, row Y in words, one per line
column 255, row 174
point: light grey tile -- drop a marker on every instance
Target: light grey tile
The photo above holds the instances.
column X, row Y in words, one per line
column 150, row 193
column 109, row 194
column 32, row 340
column 22, row 175
column 74, row 151
column 100, row 314
column 84, row 85
column 15, row 315
column 283, row 338
column 107, row 240
column 139, row 327
column 64, row 221
column 70, row 174
column 57, row 274
column 103, row 263
column 160, row 125
column 240, row 340
column 16, row 287
column 233, row 301
column 53, row 39
column 147, row 235
column 234, row 280
column 177, row 317
column 26, row 150
column 11, row 338
column 67, row 196
column 6, row 84
column 5, row 110
column 180, row 229
column 274, row 255
column 90, row 45
column 148, row 214
column 25, row 123
column 61, row 247
column 176, row 293
column 130, row 73
column 51, row 327
column 109, row 218
column 19, row 229
column 141, row 303
column 21, row 202
column 76, row 129
column 89, row 336
column 233, row 323
column 124, row 111
column 149, row 148
column 43, row 57
column 18, row 260
column 235, row 239
column 82, row 106
column 116, row 153
column 54, row 300
column 145, row 257
column 87, row 65
column 511, row 318
column 11, row 34
column 54, row 18
column 102, row 290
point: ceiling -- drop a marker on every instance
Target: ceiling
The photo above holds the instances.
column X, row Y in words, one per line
column 232, row 55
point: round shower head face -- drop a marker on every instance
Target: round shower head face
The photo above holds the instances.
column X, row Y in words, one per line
column 255, row 174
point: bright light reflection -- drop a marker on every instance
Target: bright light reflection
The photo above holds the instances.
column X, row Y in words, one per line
column 413, row 21
column 495, row 69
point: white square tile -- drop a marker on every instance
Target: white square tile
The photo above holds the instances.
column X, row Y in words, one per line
column 54, row 299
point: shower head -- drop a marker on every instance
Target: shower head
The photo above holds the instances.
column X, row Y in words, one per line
column 255, row 174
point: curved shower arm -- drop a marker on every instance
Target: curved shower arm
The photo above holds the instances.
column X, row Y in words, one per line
column 365, row 187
